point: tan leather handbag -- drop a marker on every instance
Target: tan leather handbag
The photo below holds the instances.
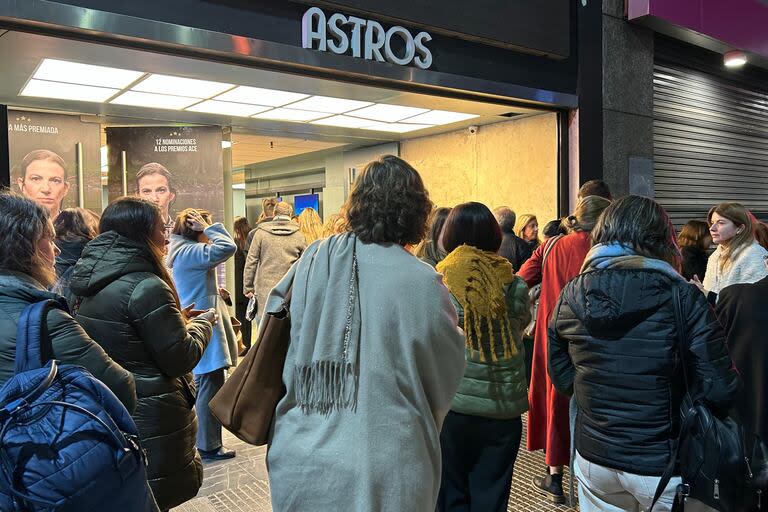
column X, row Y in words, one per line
column 245, row 404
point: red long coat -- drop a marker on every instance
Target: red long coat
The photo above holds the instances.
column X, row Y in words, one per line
column 548, row 415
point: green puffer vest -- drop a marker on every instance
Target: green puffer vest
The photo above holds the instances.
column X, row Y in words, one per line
column 497, row 389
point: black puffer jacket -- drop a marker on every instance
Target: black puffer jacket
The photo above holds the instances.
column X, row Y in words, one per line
column 132, row 313
column 69, row 343
column 612, row 340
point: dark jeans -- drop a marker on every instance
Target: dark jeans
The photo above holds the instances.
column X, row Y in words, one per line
column 208, row 427
column 478, row 458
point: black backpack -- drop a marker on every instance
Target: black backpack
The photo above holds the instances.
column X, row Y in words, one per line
column 710, row 453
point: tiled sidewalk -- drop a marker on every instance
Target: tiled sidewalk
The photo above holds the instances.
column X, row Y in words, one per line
column 241, row 484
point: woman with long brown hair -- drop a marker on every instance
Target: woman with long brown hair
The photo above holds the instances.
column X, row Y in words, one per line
column 738, row 258
column 27, row 255
column 129, row 305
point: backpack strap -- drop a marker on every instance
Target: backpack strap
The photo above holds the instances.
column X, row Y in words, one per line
column 33, row 347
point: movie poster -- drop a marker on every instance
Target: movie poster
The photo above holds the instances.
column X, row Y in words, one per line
column 176, row 167
column 43, row 159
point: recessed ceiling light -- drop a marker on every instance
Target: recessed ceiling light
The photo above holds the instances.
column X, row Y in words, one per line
column 397, row 127
column 289, row 114
column 164, row 84
column 259, row 96
column 146, row 99
column 734, row 59
column 439, row 117
column 86, row 74
column 329, row 105
column 227, row 108
column 58, row 90
column 344, row 122
column 387, row 113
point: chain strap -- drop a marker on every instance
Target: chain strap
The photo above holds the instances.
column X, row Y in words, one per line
column 350, row 304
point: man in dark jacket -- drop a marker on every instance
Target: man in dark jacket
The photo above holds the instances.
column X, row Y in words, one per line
column 513, row 248
column 743, row 311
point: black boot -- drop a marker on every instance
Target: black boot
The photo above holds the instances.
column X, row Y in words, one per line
column 552, row 486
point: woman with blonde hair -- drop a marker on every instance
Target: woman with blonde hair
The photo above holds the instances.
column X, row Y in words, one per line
column 548, row 426
column 335, row 225
column 310, row 225
column 738, row 258
column 528, row 230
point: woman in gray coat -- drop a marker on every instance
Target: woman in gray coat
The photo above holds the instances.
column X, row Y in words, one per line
column 374, row 361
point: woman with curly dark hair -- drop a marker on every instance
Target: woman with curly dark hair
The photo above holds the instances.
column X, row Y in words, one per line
column 374, row 360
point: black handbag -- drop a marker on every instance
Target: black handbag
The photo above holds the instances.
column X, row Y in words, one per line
column 710, row 452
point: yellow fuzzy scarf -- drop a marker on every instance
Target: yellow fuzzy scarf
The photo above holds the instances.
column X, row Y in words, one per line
column 477, row 278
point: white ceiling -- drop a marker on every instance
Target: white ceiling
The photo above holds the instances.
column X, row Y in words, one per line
column 21, row 54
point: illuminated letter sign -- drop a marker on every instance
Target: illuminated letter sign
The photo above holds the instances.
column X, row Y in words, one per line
column 363, row 38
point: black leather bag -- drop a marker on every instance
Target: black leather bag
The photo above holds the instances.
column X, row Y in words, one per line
column 711, row 453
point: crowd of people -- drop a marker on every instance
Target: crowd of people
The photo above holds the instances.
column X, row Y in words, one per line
column 420, row 336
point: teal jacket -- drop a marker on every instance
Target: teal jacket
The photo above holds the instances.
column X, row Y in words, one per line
column 497, row 389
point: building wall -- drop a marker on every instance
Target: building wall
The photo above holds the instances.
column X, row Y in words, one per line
column 627, row 103
column 513, row 163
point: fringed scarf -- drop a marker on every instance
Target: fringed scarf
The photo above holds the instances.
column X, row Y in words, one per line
column 325, row 312
column 477, row 279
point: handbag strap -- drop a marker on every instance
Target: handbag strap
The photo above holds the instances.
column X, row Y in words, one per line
column 548, row 249
column 670, row 469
